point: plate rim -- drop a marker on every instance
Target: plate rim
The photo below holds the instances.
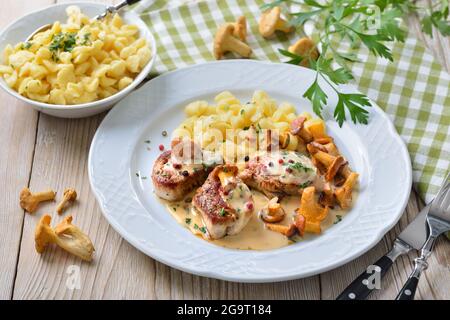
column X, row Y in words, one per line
column 218, row 275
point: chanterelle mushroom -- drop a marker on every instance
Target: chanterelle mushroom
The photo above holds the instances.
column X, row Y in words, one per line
column 332, row 163
column 70, row 195
column 271, row 21
column 30, row 201
column 43, row 234
column 273, row 212
column 65, row 235
column 305, row 48
column 240, row 28
column 224, row 41
column 344, row 194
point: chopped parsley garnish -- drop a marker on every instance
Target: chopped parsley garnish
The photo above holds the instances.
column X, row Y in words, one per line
column 86, row 39
column 26, row 45
column 299, row 167
column 62, row 41
column 188, row 220
column 338, row 219
column 222, row 212
column 147, row 141
column 242, row 111
column 202, row 229
column 304, row 184
column 139, row 176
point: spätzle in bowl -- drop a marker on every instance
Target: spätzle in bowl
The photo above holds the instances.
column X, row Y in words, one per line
column 79, row 67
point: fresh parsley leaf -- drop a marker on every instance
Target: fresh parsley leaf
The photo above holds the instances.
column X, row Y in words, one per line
column 374, row 43
column 338, row 219
column 271, row 5
column 299, row 18
column 354, row 103
column 295, row 58
column 390, row 25
column 317, row 96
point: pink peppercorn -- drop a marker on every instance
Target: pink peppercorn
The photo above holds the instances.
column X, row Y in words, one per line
column 161, row 147
column 249, row 206
column 280, row 161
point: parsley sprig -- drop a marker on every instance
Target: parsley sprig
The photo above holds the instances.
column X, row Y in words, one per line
column 354, row 21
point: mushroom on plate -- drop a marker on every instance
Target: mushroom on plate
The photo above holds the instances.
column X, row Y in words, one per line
column 298, row 128
column 343, row 194
column 30, row 201
column 312, row 211
column 273, row 212
column 305, row 48
column 272, row 21
column 225, row 41
column 288, row 231
column 332, row 163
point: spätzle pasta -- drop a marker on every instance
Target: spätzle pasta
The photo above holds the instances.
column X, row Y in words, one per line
column 77, row 62
column 235, row 129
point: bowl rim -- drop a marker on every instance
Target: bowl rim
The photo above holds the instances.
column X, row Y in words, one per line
column 109, row 100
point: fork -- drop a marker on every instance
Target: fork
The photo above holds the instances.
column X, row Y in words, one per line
column 438, row 222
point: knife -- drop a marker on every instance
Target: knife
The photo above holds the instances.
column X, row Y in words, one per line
column 413, row 237
column 438, row 219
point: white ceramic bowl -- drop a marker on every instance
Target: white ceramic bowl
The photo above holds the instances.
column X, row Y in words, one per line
column 20, row 29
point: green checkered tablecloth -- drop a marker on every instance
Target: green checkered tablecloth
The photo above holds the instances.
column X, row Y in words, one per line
column 413, row 91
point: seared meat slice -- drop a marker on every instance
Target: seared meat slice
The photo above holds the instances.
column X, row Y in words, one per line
column 280, row 173
column 178, row 171
column 173, row 181
column 224, row 202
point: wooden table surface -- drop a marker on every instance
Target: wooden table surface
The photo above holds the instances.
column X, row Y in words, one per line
column 43, row 152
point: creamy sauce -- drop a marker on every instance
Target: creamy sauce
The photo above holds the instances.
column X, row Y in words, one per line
column 290, row 167
column 254, row 236
column 239, row 198
column 178, row 166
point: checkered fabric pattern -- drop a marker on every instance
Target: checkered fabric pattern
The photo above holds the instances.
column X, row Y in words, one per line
column 413, row 91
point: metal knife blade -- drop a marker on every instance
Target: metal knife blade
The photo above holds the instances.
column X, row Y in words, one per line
column 415, row 234
column 413, row 237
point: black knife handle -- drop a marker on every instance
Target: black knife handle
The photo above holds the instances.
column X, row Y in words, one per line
column 359, row 289
column 409, row 289
column 131, row 2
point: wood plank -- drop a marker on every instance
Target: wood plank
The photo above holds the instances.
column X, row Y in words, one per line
column 17, row 135
column 119, row 271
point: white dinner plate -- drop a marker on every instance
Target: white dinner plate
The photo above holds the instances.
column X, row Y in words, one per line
column 120, row 150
